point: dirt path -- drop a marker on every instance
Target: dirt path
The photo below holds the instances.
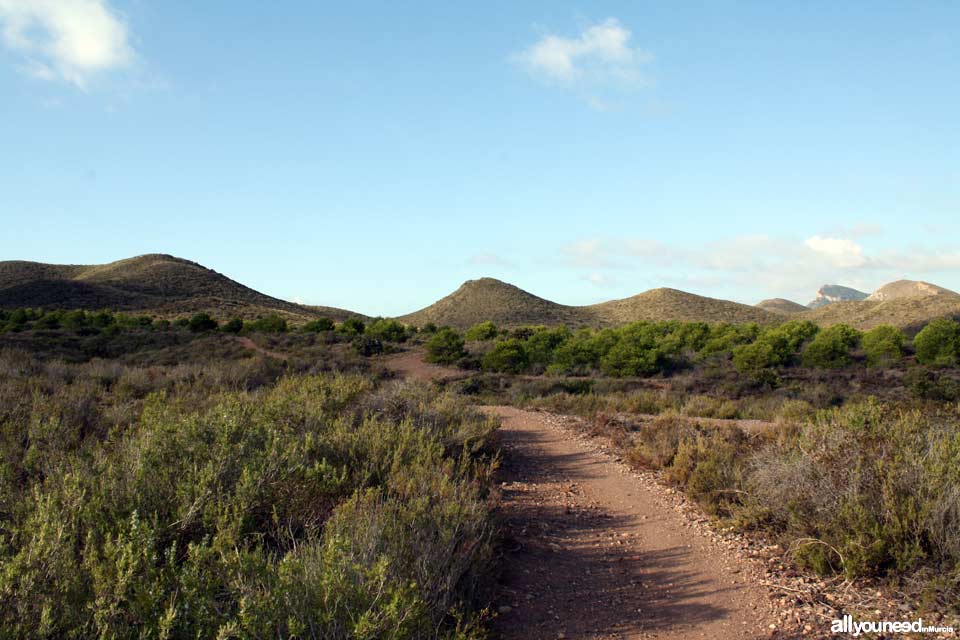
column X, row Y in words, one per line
column 597, row 552
column 410, row 364
column 247, row 343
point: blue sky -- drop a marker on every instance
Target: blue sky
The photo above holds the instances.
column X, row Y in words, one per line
column 374, row 155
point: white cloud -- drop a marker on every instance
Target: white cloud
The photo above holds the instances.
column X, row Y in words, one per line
column 752, row 267
column 67, row 40
column 600, row 279
column 840, row 252
column 601, row 52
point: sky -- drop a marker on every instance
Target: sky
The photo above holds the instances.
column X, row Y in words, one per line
column 374, row 155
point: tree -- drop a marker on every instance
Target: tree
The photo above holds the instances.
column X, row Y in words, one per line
column 883, row 345
column 507, row 356
column 202, row 322
column 445, row 347
column 387, row 330
column 831, row 348
column 318, row 325
column 351, row 327
column 269, row 324
column 481, row 331
column 235, row 325
column 938, row 343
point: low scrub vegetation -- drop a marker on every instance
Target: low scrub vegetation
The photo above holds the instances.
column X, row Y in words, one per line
column 224, row 500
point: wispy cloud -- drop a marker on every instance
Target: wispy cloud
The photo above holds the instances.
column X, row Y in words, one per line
column 600, row 53
column 65, row 40
column 761, row 265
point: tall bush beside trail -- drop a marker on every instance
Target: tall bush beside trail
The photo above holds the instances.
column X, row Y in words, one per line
column 832, row 347
column 865, row 490
column 542, row 344
column 269, row 324
column 883, row 345
column 507, row 356
column 202, row 322
column 481, row 331
column 938, row 343
column 445, row 347
column 581, row 353
column 636, row 352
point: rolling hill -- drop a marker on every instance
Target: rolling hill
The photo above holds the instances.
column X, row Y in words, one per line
column 781, row 305
column 506, row 305
column 907, row 304
column 156, row 283
column 672, row 304
column 490, row 299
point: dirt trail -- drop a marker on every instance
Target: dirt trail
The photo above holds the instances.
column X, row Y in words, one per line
column 600, row 553
column 595, row 551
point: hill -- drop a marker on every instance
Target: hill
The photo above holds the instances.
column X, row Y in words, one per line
column 506, row 305
column 780, row 305
column 908, row 289
column 833, row 293
column 672, row 304
column 907, row 313
column 156, row 283
column 490, row 299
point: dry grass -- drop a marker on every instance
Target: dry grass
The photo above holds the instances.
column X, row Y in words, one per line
column 781, row 305
column 909, row 314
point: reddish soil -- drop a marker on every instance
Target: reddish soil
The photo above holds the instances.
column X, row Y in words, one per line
column 410, row 364
column 595, row 551
column 247, row 343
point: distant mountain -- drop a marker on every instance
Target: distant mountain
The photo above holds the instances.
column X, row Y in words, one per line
column 832, row 293
column 506, row 305
column 908, row 289
column 781, row 305
column 154, row 283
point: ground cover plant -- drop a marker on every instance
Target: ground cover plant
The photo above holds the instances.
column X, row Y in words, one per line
column 237, row 495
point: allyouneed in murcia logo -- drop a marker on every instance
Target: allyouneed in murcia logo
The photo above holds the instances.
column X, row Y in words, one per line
column 848, row 625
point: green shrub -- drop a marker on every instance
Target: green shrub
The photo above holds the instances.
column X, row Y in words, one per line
column 831, row 348
column 938, row 343
column 445, row 347
column 481, row 331
column 234, row 325
column 269, row 324
column 387, row 330
column 883, row 345
column 318, row 325
column 202, row 322
column 367, row 346
column 351, row 327
column 507, row 356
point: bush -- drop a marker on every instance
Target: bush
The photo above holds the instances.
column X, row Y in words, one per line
column 481, row 331
column 351, row 327
column 318, row 325
column 830, row 348
column 235, row 325
column 202, row 322
column 387, row 330
column 367, row 346
column 938, row 343
column 445, row 347
column 507, row 356
column 883, row 345
column 269, row 324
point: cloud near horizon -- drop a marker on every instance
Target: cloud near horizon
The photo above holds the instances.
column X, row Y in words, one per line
column 761, row 265
column 600, row 53
column 65, row 40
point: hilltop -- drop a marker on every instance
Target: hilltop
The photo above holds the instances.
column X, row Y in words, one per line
column 908, row 289
column 155, row 283
column 491, row 299
column 507, row 305
column 833, row 293
column 781, row 305
column 672, row 304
